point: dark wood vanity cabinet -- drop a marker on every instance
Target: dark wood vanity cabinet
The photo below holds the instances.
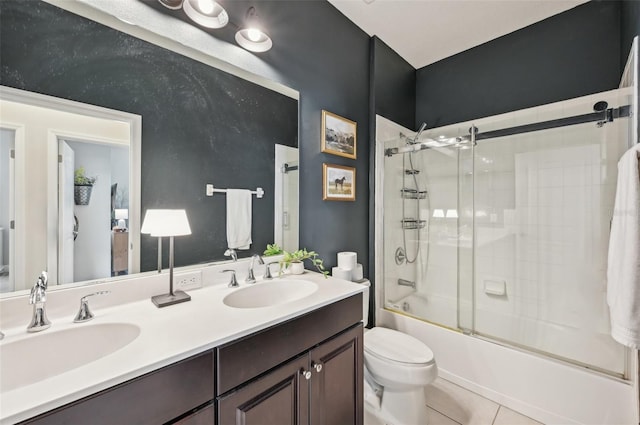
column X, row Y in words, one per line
column 321, row 385
column 306, row 371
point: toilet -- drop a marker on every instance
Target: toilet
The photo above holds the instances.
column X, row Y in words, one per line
column 397, row 367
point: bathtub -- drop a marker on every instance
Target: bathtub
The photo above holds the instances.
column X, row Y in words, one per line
column 548, row 390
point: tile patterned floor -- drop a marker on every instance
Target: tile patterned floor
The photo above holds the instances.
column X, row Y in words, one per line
column 450, row 404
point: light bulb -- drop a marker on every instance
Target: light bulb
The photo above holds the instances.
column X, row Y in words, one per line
column 254, row 34
column 206, row 6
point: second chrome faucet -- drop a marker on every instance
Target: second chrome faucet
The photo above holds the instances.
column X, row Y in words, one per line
column 267, row 273
column 37, row 298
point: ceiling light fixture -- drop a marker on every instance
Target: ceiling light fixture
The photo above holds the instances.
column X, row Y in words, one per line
column 171, row 4
column 251, row 37
column 207, row 13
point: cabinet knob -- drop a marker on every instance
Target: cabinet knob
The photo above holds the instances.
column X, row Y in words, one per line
column 306, row 374
column 317, row 367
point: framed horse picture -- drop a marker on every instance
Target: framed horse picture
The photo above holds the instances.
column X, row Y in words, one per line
column 338, row 183
column 338, row 135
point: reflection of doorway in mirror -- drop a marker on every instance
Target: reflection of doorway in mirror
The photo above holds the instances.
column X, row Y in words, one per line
column 7, row 146
column 88, row 253
column 286, row 198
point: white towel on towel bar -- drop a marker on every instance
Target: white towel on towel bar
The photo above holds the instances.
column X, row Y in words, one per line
column 623, row 272
column 238, row 218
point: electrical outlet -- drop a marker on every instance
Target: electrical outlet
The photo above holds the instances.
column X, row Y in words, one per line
column 188, row 280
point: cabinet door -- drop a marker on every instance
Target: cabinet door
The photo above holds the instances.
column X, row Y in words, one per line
column 337, row 380
column 281, row 397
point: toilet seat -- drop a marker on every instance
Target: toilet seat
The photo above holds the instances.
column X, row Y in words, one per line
column 397, row 347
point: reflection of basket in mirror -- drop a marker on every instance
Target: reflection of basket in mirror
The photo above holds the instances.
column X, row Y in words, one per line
column 82, row 194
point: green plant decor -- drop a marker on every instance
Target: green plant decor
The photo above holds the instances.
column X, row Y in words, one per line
column 80, row 179
column 272, row 249
column 299, row 256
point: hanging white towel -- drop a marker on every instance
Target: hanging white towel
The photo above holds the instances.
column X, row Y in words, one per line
column 238, row 218
column 623, row 273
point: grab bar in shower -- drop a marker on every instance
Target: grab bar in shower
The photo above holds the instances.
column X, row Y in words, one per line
column 404, row 282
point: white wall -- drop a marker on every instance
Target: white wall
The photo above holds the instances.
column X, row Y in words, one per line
column 120, row 175
column 92, row 247
column 6, row 143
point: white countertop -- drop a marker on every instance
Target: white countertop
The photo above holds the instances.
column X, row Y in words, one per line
column 167, row 335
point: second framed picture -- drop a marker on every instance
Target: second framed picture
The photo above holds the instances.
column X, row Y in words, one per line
column 338, row 135
column 338, row 183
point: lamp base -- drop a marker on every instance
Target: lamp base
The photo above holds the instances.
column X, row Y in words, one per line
column 166, row 300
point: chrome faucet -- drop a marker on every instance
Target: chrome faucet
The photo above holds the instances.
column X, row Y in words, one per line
column 230, row 252
column 38, row 297
column 251, row 278
column 267, row 272
column 233, row 283
column 84, row 314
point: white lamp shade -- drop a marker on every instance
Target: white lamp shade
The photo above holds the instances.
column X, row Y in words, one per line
column 452, row 213
column 121, row 214
column 438, row 213
column 166, row 223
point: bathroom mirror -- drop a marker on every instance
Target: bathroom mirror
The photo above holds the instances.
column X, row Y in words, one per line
column 199, row 125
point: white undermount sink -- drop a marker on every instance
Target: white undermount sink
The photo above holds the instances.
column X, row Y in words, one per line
column 267, row 294
column 49, row 353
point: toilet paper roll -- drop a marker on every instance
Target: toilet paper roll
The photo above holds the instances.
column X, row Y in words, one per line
column 341, row 273
column 347, row 260
column 356, row 274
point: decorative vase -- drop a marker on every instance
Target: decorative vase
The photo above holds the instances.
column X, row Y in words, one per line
column 82, row 194
column 296, row 267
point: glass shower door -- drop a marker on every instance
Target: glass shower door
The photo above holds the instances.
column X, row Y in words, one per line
column 543, row 201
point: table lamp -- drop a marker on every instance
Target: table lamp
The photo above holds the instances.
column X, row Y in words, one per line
column 122, row 214
column 159, row 223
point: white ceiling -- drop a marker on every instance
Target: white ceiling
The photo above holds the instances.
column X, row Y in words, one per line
column 425, row 31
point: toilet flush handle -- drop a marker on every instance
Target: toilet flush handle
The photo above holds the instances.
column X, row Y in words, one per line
column 317, row 366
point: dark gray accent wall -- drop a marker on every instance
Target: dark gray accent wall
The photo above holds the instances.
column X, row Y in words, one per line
column 393, row 96
column 324, row 56
column 328, row 68
column 394, row 84
column 629, row 27
column 568, row 55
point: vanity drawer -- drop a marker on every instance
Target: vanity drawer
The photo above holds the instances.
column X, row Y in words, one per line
column 155, row 398
column 246, row 358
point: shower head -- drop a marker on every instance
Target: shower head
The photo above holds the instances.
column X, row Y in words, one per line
column 417, row 136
